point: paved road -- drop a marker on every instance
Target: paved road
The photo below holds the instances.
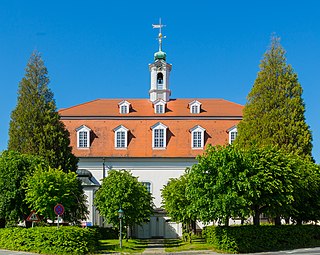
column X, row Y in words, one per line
column 158, row 249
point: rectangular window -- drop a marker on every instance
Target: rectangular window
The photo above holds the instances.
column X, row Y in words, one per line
column 147, row 185
column 159, row 108
column 158, row 138
column 233, row 136
column 197, row 139
column 83, row 139
column 194, row 109
column 121, row 139
column 124, row 109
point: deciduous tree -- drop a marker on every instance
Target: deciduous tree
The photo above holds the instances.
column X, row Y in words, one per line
column 231, row 182
column 215, row 185
column 35, row 126
column 14, row 169
column 122, row 190
column 48, row 187
column 176, row 203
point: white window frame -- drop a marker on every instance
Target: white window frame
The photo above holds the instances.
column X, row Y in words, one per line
column 233, row 132
column 159, row 106
column 148, row 185
column 118, row 130
column 83, row 130
column 193, row 131
column 159, row 127
column 124, row 107
column 195, row 107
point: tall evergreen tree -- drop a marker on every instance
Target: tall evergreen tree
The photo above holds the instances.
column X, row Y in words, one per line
column 35, row 126
column 274, row 112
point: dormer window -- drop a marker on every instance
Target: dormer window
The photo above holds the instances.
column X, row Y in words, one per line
column 159, row 136
column 159, row 81
column 121, row 137
column 233, row 132
column 197, row 137
column 195, row 107
column 124, row 107
column 83, row 137
column 159, row 106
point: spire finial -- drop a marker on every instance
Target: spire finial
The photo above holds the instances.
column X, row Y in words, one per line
column 160, row 36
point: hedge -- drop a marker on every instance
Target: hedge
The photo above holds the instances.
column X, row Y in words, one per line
column 50, row 240
column 244, row 239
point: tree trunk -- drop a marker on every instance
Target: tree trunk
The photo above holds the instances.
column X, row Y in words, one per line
column 194, row 227
column 256, row 218
column 2, row 223
column 226, row 222
column 277, row 221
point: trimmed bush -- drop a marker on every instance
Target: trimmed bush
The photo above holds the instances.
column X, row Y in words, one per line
column 244, row 239
column 50, row 240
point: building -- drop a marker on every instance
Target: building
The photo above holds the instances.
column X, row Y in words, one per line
column 156, row 138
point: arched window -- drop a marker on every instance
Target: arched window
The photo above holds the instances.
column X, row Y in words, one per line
column 83, row 137
column 121, row 137
column 233, row 132
column 197, row 137
column 159, row 81
column 159, row 136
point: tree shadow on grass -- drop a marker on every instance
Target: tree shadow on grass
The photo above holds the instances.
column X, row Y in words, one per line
column 110, row 246
column 173, row 243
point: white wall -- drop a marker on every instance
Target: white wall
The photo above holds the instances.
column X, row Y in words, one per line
column 154, row 170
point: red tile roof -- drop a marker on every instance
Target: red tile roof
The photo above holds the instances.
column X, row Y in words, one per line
column 102, row 116
column 144, row 107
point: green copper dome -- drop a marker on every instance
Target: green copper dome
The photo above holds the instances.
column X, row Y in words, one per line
column 160, row 55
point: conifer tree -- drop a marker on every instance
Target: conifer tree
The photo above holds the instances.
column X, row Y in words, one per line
column 35, row 126
column 274, row 112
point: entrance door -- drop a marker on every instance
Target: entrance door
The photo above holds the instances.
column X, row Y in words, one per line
column 157, row 226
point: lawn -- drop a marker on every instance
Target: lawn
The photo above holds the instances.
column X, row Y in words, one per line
column 132, row 246
column 176, row 245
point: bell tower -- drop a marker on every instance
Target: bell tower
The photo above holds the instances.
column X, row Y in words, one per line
column 160, row 72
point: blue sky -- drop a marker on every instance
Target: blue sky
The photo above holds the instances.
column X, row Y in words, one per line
column 101, row 49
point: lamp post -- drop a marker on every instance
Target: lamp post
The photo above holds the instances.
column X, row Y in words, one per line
column 120, row 213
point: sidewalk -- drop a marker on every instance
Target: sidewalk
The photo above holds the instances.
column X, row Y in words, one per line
column 155, row 246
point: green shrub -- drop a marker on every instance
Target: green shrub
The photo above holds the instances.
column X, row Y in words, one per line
column 244, row 239
column 50, row 240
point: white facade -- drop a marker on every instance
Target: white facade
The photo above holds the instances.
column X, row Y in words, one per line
column 157, row 171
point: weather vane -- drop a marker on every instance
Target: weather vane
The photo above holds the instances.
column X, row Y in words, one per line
column 160, row 36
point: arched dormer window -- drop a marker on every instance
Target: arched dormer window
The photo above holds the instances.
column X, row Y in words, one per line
column 83, row 137
column 159, row 81
column 195, row 107
column 197, row 137
column 124, row 107
column 159, row 136
column 233, row 132
column 159, row 106
column 121, row 137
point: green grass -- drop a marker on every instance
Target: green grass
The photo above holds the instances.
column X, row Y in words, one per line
column 176, row 245
column 112, row 245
